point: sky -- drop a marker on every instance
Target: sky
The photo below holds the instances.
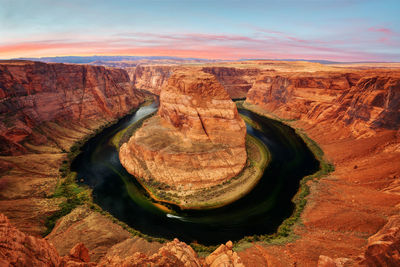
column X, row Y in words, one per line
column 338, row 30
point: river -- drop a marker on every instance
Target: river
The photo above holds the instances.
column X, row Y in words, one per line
column 259, row 212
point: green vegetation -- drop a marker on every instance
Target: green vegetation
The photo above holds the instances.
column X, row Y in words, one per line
column 74, row 195
column 203, row 250
column 250, row 122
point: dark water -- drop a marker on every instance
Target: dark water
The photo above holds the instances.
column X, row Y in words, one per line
column 259, row 212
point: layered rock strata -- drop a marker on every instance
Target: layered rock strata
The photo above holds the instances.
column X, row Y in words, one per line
column 362, row 100
column 196, row 140
column 33, row 93
column 19, row 249
column 150, row 78
column 44, row 110
column 383, row 248
column 236, row 81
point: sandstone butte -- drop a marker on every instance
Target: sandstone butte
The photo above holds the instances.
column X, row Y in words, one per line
column 351, row 111
column 196, row 140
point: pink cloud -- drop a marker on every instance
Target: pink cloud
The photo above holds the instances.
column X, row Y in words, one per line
column 216, row 46
column 382, row 30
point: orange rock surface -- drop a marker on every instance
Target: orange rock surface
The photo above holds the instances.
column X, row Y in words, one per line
column 383, row 248
column 363, row 101
column 18, row 249
column 236, row 81
column 224, row 256
column 197, row 139
column 44, row 110
column 150, row 78
column 33, row 93
column 173, row 253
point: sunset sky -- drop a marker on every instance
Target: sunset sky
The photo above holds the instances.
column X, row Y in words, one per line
column 339, row 30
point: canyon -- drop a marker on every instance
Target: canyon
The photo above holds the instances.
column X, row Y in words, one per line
column 351, row 216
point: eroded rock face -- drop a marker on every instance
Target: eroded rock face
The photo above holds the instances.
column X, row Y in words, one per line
column 224, row 256
column 363, row 101
column 197, row 139
column 33, row 93
column 236, row 81
column 18, row 249
column 383, row 248
column 150, row 78
column 173, row 253
column 83, row 225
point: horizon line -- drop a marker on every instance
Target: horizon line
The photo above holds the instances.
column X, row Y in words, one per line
column 196, row 58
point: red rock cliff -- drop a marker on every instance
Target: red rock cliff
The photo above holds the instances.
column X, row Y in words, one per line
column 362, row 100
column 236, row 81
column 33, row 93
column 150, row 78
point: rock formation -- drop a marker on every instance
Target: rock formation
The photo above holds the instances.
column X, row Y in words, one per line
column 33, row 93
column 150, row 78
column 83, row 225
column 236, row 81
column 383, row 248
column 44, row 110
column 197, row 139
column 224, row 256
column 173, row 253
column 18, row 249
column 363, row 100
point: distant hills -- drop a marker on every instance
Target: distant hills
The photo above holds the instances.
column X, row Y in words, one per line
column 90, row 59
column 131, row 61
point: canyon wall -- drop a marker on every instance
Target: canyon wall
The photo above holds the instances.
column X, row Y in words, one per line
column 196, row 141
column 364, row 101
column 150, row 78
column 236, row 81
column 33, row 93
column 44, row 110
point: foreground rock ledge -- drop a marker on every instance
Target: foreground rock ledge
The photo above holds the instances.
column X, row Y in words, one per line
column 196, row 140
